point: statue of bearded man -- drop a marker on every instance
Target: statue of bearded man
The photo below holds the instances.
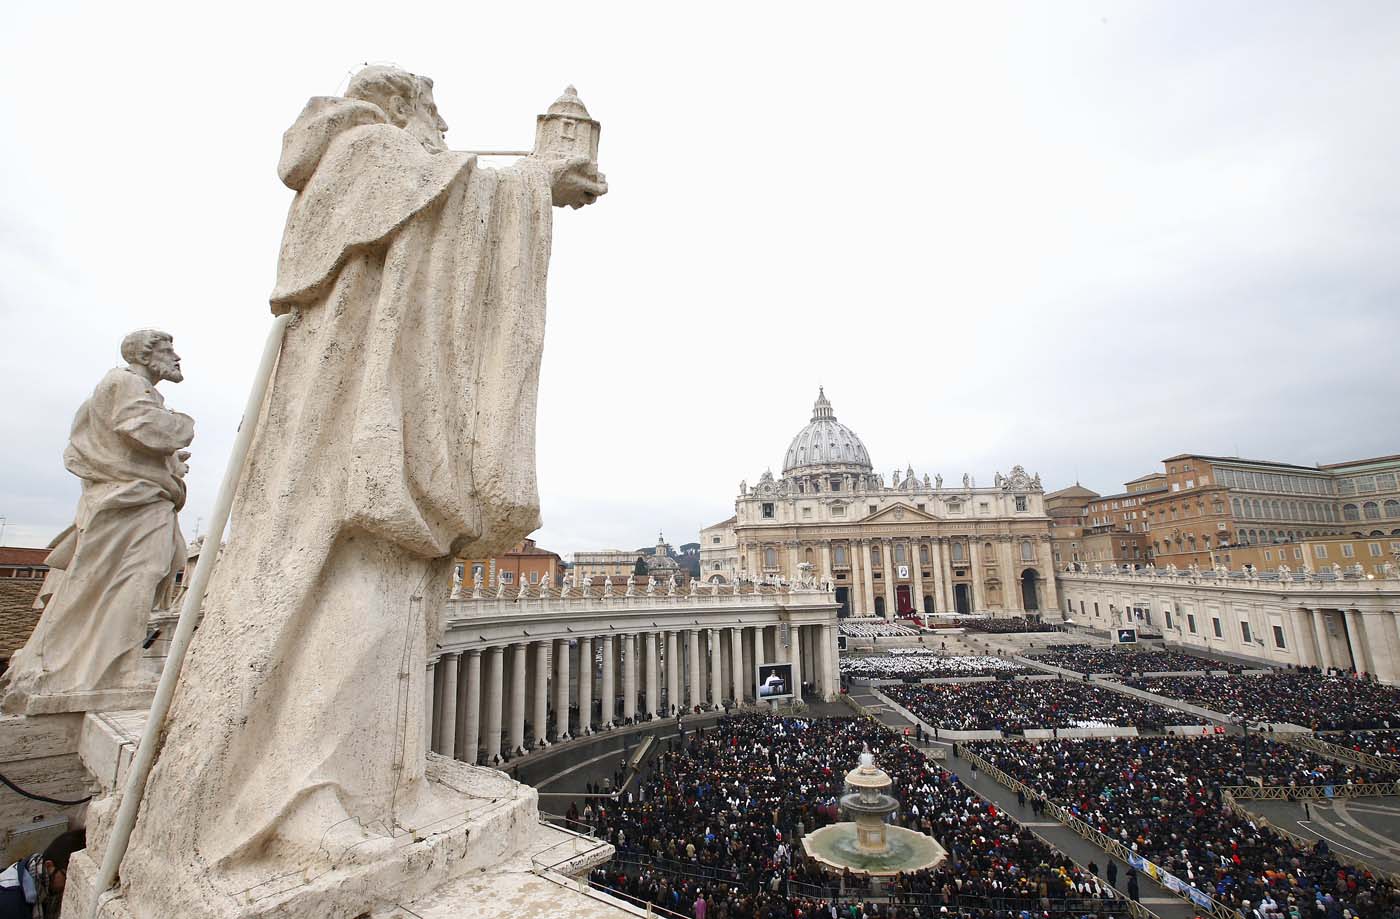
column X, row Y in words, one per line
column 397, row 435
column 124, row 549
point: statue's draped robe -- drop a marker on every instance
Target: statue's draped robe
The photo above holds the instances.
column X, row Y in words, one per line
column 116, row 559
column 398, row 432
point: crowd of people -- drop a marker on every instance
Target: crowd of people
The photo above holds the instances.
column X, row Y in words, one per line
column 1011, row 706
column 928, row 664
column 1384, row 742
column 1314, row 700
column 1008, row 625
column 1099, row 659
column 1160, row 798
column 714, row 831
column 876, row 628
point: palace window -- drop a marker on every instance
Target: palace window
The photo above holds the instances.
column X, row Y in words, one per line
column 838, row 510
column 1244, row 633
column 957, row 552
column 715, row 540
column 1347, row 551
column 835, row 484
column 1215, row 625
column 923, row 555
column 770, row 558
column 1191, row 623
column 899, row 557
column 875, row 555
column 1027, row 552
column 506, row 576
column 534, row 577
column 1021, row 503
column 839, row 552
column 1278, row 637
column 767, row 510
column 806, row 513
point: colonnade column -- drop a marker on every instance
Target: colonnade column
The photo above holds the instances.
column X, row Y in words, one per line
column 935, row 560
column 608, row 693
column 649, row 654
column 519, row 657
column 673, row 671
column 447, row 717
column 1356, row 632
column 736, row 662
column 695, row 693
column 470, row 698
column 916, row 553
column 747, row 637
column 1324, row 647
column 830, row 684
column 1378, row 644
column 540, row 720
column 716, row 670
column 561, row 688
column 585, row 686
column 629, row 678
column 431, row 693
column 795, row 655
column 495, row 679
column 886, row 551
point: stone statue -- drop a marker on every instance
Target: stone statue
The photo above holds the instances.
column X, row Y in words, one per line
column 398, row 432
column 124, row 549
column 476, row 584
column 631, row 586
column 926, row 481
column 938, row 481
column 967, row 480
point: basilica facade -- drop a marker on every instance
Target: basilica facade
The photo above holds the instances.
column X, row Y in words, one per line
column 907, row 545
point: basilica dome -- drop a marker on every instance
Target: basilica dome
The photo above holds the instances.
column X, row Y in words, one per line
column 825, row 445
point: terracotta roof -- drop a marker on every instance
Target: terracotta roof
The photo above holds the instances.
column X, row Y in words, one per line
column 1074, row 491
column 1144, row 478
column 733, row 518
column 17, row 614
column 15, row 555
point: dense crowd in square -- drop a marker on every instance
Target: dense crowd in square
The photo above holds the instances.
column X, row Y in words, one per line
column 719, row 819
column 1385, row 742
column 876, row 628
column 1303, row 697
column 1100, row 659
column 1160, row 797
column 1012, row 706
column 894, row 667
column 1008, row 625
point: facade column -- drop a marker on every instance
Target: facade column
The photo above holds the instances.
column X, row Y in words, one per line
column 1356, row 634
column 886, row 553
column 470, row 706
column 519, row 657
column 716, row 670
column 794, row 554
column 432, row 696
column 979, row 591
column 673, row 672
column 736, row 662
column 609, row 691
column 650, row 655
column 1012, row 599
column 945, row 560
column 1378, row 644
column 935, row 557
column 916, row 551
column 495, row 679
column 1045, row 558
column 448, row 664
column 695, row 692
column 629, row 678
column 561, row 688
column 585, row 686
column 855, row 591
column 826, row 571
column 539, row 721
column 868, row 581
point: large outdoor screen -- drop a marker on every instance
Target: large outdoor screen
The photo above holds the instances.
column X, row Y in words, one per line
column 775, row 681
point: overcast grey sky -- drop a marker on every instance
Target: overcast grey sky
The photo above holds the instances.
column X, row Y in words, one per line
column 1075, row 236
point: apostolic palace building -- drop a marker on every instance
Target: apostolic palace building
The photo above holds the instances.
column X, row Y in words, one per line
column 907, row 545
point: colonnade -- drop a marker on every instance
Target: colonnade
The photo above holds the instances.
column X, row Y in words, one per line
column 486, row 704
column 1367, row 640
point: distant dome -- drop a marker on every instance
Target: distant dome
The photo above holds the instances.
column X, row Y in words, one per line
column 825, row 445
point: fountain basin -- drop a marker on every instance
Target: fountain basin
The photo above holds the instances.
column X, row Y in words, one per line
column 837, row 847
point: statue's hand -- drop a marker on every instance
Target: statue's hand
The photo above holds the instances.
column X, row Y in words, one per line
column 575, row 182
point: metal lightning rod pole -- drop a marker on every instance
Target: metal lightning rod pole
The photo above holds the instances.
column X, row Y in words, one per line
column 141, row 763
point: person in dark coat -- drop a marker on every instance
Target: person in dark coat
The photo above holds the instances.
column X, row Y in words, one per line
column 1132, row 885
column 1112, row 873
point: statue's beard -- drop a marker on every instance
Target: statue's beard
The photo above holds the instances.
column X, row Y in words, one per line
column 168, row 371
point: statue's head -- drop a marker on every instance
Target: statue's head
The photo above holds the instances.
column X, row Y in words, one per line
column 153, row 352
column 405, row 98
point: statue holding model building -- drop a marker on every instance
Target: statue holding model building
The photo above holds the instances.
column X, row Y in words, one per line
column 398, row 434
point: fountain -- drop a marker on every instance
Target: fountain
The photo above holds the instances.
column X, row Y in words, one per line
column 869, row 845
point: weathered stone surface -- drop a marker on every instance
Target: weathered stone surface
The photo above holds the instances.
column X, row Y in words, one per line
column 397, row 434
column 124, row 549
